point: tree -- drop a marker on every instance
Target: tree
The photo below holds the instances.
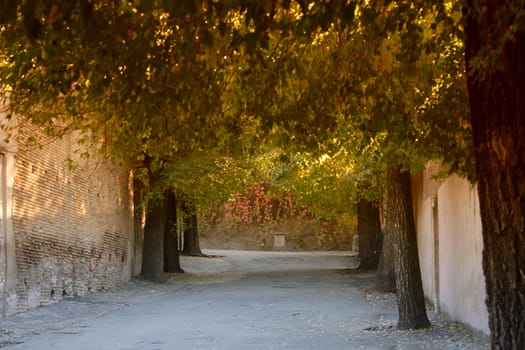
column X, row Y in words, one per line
column 386, row 276
column 191, row 232
column 135, row 109
column 66, row 31
column 171, row 247
column 400, row 225
column 390, row 111
column 155, row 226
column 106, row 83
column 138, row 229
column 369, row 231
column 398, row 100
column 418, row 77
column 495, row 55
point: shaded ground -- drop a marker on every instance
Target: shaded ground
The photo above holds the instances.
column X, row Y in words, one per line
column 242, row 300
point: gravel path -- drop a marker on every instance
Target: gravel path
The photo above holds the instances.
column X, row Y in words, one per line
column 238, row 300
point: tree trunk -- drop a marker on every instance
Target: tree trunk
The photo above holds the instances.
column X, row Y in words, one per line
column 400, row 225
column 138, row 229
column 171, row 248
column 153, row 249
column 386, row 276
column 153, row 252
column 497, row 101
column 191, row 233
column 369, row 231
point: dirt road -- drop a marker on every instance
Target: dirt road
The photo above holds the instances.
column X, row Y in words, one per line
column 241, row 300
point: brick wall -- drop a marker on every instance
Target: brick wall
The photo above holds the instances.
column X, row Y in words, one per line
column 73, row 227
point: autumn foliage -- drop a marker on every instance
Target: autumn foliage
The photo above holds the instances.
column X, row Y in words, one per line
column 257, row 213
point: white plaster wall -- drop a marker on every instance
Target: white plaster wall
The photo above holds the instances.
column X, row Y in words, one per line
column 462, row 283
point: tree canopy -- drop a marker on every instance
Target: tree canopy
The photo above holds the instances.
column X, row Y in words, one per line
column 157, row 83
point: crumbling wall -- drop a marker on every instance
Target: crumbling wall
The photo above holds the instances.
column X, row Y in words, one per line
column 72, row 221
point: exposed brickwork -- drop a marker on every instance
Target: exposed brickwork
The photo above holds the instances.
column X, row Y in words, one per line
column 73, row 227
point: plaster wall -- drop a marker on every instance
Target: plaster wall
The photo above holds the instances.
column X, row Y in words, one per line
column 450, row 247
column 462, row 283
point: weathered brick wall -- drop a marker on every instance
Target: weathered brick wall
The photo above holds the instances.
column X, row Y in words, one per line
column 73, row 227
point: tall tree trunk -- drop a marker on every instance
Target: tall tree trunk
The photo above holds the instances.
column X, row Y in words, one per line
column 171, row 248
column 138, row 229
column 400, row 224
column 385, row 275
column 369, row 231
column 153, row 250
column 191, row 233
column 497, row 101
